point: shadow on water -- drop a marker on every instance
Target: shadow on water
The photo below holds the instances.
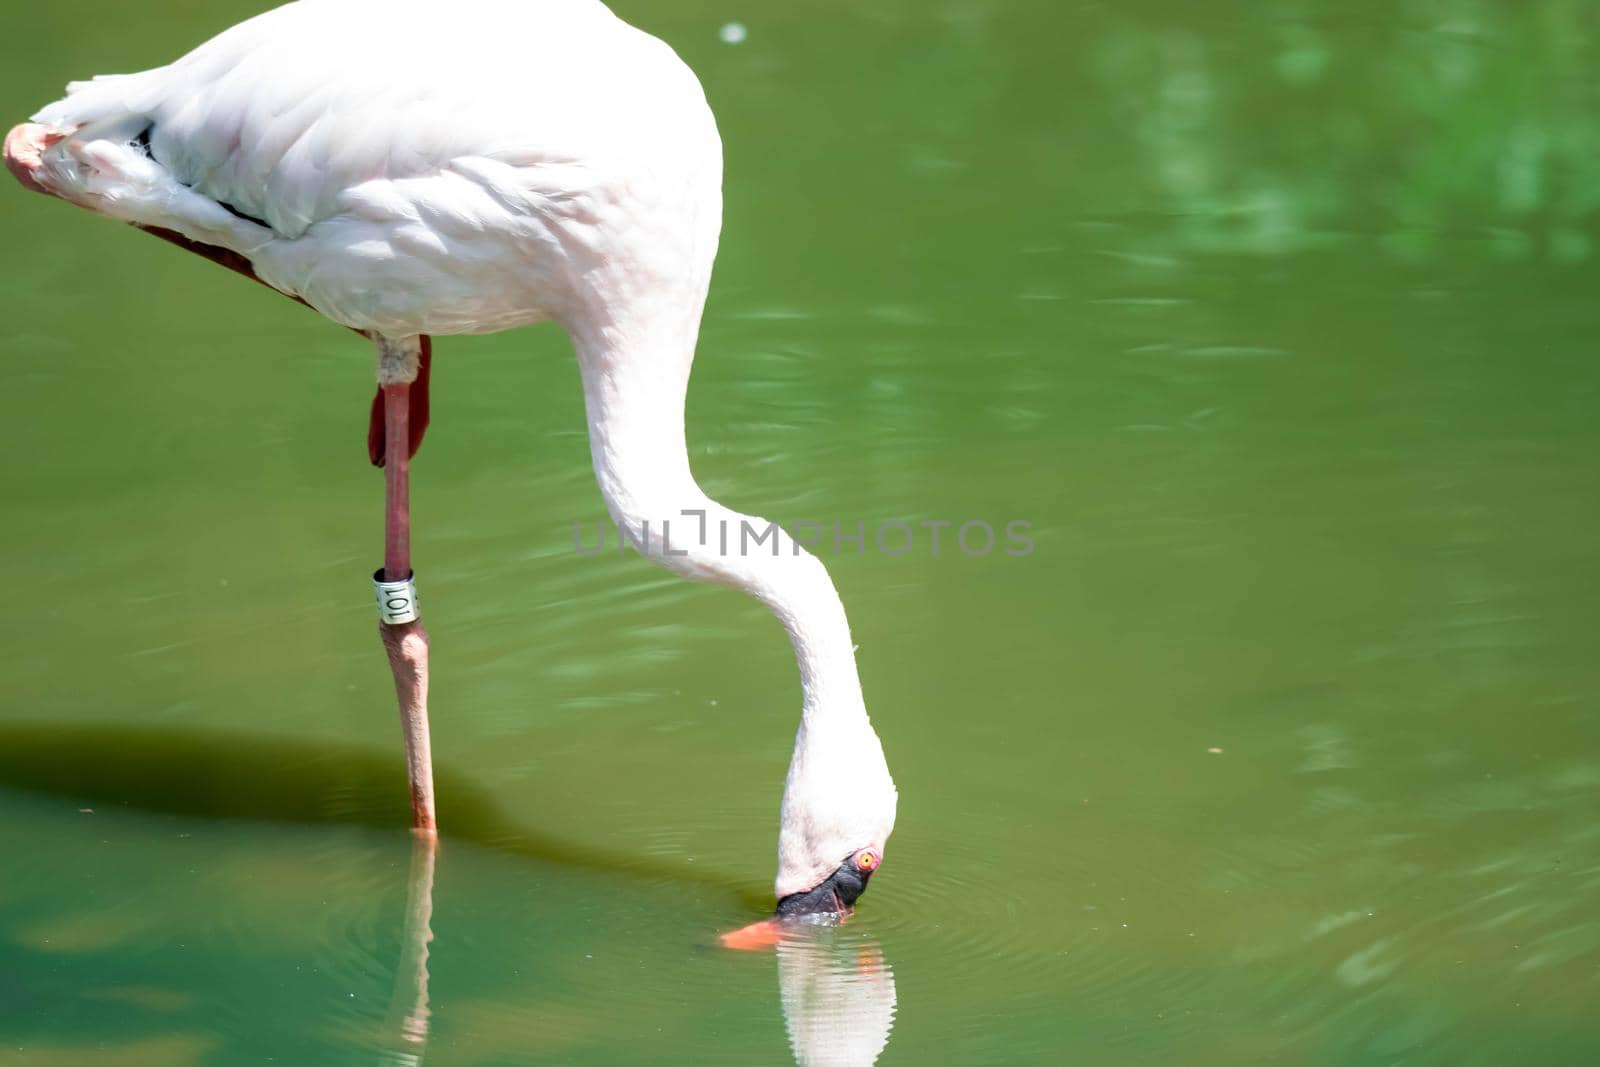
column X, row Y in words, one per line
column 218, row 775
column 836, row 988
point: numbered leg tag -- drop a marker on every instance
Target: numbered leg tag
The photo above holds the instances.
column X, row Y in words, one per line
column 397, row 601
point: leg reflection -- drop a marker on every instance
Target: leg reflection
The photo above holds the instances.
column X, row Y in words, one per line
column 838, row 996
column 407, row 1024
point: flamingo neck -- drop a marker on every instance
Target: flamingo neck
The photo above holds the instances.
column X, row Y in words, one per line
column 634, row 392
column 839, row 796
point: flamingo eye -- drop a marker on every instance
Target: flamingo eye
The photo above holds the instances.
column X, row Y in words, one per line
column 867, row 861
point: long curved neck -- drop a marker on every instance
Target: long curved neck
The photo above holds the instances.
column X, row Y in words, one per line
column 635, row 383
column 838, row 795
column 795, row 587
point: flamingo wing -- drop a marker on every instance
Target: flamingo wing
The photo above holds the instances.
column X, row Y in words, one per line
column 398, row 164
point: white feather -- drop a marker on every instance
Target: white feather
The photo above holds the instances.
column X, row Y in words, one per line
column 424, row 167
column 440, row 145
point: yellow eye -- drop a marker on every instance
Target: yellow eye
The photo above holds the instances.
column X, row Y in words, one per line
column 867, row 860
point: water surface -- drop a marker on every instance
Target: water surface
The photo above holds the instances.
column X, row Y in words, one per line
column 1277, row 327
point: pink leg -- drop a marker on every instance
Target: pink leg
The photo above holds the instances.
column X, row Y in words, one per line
column 407, row 643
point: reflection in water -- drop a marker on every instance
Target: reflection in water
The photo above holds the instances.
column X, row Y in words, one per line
column 407, row 1020
column 1282, row 336
column 838, row 996
column 838, row 991
column 1494, row 156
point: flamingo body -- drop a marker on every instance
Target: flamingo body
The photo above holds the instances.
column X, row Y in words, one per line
column 404, row 171
column 411, row 167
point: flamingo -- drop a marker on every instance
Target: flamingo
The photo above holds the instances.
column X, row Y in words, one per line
column 410, row 168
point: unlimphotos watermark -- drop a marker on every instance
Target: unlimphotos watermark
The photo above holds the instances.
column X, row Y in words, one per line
column 695, row 532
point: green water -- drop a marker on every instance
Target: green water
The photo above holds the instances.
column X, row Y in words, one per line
column 1276, row 322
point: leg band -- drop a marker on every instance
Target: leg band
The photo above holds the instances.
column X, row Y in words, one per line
column 397, row 601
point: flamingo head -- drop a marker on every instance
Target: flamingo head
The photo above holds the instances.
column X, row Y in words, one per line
column 838, row 811
column 837, row 893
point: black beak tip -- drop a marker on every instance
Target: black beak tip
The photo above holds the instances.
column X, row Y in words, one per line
column 835, row 895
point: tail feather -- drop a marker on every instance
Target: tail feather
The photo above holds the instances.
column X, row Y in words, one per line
column 102, row 166
column 102, row 97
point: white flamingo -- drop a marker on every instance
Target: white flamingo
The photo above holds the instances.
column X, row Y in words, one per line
column 410, row 167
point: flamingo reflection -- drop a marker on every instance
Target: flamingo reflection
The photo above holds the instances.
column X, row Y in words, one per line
column 406, row 1026
column 838, row 996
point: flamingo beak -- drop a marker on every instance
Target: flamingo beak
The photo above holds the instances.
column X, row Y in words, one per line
column 835, row 894
column 832, row 898
column 755, row 937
